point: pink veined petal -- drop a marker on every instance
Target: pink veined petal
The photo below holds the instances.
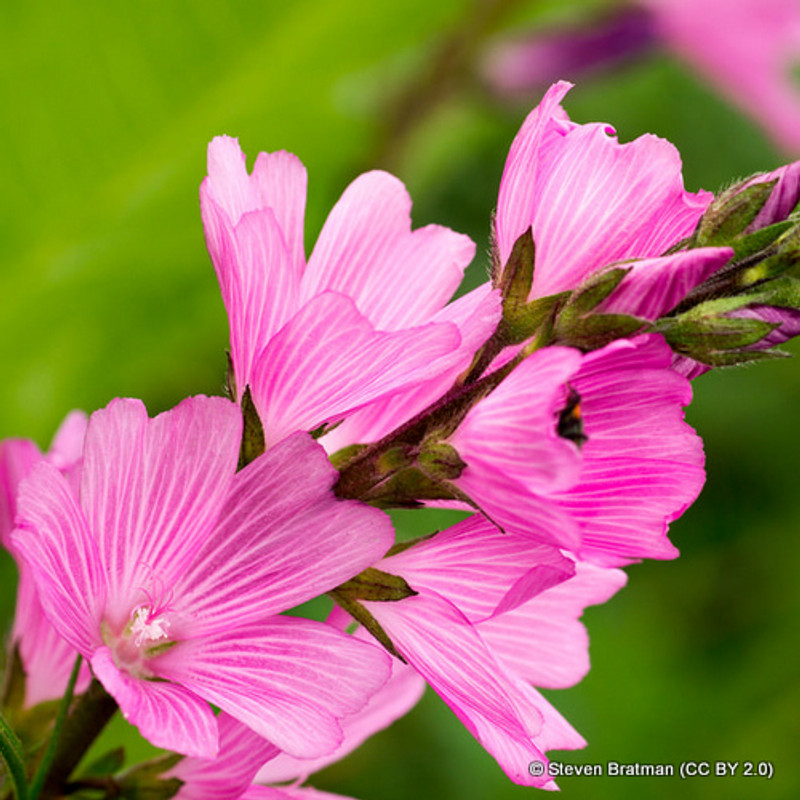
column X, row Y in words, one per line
column 476, row 314
column 47, row 657
column 167, row 715
column 153, row 489
column 54, row 540
column 474, row 566
column 289, row 679
column 448, row 652
column 256, row 792
column 228, row 183
column 258, row 283
column 509, row 505
column 328, row 360
column 599, row 202
column 17, row 458
column 282, row 181
column 517, row 198
column 282, row 538
column 514, row 757
column 513, row 430
column 226, row 777
column 655, row 286
column 642, row 465
column 543, row 641
column 67, row 446
column 367, row 251
column 400, row 693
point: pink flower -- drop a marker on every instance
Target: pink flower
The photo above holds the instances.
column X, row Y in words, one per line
column 611, row 500
column 749, row 49
column 315, row 341
column 246, row 761
column 476, row 589
column 46, row 657
column 592, row 202
column 170, row 572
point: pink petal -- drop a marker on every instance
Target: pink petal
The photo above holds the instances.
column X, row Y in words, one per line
column 17, row 459
column 256, row 792
column 517, row 199
column 53, row 538
column 259, row 286
column 655, row 286
column 47, row 657
column 328, row 360
column 282, row 538
column 281, row 180
column 67, row 446
column 153, row 489
column 511, row 506
column 590, row 200
column 642, row 465
column 601, row 201
column 447, row 651
column 543, row 641
column 226, row 777
column 473, row 565
column 476, row 314
column 167, row 715
column 400, row 693
column 366, row 250
column 513, row 430
column 289, row 679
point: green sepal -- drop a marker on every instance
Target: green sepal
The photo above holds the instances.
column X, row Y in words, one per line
column 230, row 378
column 407, row 488
column 346, row 454
column 439, row 460
column 516, row 279
column 731, row 212
column 752, row 243
column 14, row 679
column 253, row 444
column 731, row 358
column 783, row 292
column 597, row 330
column 785, row 256
column 700, row 337
column 593, row 291
column 106, row 764
column 373, row 584
column 364, row 618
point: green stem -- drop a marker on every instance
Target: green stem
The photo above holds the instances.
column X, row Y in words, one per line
column 85, row 722
column 11, row 754
column 41, row 773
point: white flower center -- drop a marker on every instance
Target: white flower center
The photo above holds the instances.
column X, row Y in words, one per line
column 146, row 628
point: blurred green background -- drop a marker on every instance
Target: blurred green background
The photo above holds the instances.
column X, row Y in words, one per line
column 106, row 290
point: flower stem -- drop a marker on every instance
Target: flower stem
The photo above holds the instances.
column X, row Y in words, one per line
column 43, row 768
column 80, row 728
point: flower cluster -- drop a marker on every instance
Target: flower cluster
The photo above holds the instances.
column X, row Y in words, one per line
column 158, row 555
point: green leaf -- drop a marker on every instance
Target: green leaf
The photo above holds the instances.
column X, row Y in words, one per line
column 11, row 753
